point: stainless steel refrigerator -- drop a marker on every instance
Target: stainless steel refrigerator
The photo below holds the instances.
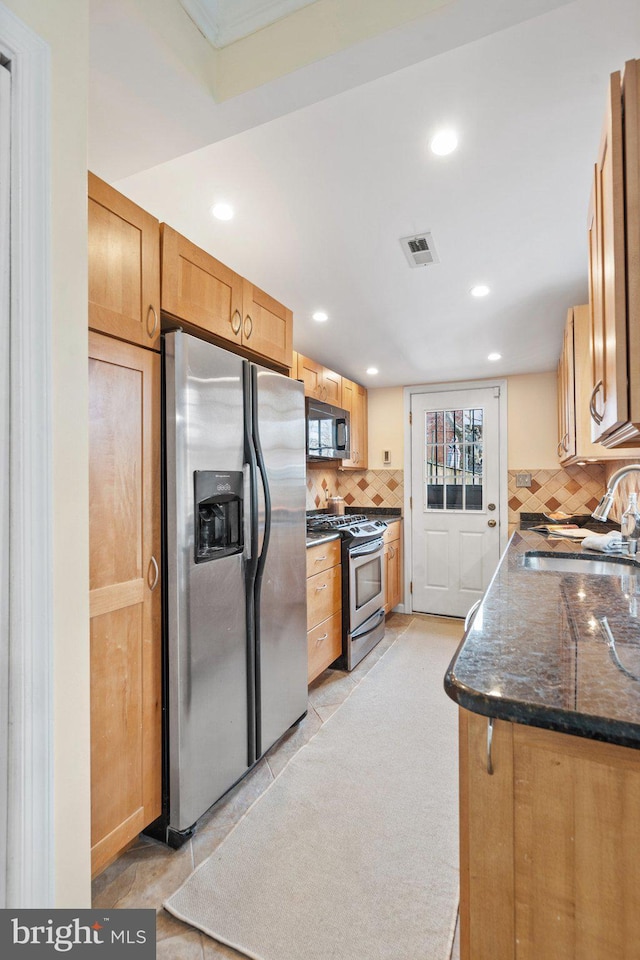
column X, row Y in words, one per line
column 235, row 542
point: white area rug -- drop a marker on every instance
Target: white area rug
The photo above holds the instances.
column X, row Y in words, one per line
column 352, row 853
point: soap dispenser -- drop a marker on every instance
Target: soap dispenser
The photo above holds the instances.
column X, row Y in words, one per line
column 630, row 525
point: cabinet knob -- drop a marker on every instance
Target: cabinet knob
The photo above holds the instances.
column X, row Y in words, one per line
column 154, row 328
column 235, row 325
column 592, row 404
column 153, row 565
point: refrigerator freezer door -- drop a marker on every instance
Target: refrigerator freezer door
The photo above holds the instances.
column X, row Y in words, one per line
column 206, row 619
column 282, row 657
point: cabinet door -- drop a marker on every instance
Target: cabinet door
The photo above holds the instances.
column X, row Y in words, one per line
column 199, row 289
column 354, row 399
column 310, row 373
column 393, row 566
column 124, row 267
column 487, row 924
column 267, row 326
column 610, row 400
column 332, row 387
column 566, row 395
column 124, row 540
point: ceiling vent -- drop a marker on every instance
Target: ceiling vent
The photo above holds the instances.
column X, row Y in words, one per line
column 419, row 250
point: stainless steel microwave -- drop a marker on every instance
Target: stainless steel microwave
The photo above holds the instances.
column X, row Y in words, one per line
column 328, row 431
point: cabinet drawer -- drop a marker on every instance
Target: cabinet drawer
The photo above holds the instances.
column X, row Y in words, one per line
column 393, row 531
column 324, row 643
column 322, row 556
column 324, row 595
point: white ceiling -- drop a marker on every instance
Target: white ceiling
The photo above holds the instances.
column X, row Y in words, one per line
column 323, row 193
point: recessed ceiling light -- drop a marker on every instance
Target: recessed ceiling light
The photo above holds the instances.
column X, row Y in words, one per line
column 480, row 290
column 222, row 211
column 320, row 316
column 372, row 371
column 494, row 356
column 444, row 142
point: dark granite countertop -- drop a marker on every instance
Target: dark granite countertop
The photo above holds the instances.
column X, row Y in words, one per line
column 313, row 539
column 536, row 654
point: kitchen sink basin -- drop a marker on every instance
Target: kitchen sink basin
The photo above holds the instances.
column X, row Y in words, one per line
column 580, row 563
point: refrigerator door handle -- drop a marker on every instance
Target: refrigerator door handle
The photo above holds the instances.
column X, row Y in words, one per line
column 262, row 559
column 251, row 563
column 246, row 511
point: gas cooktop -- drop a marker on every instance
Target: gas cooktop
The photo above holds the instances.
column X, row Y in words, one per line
column 351, row 527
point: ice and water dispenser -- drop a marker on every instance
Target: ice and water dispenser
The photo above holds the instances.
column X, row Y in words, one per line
column 218, row 514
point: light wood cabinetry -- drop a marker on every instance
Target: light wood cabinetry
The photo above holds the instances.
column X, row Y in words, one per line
column 614, row 269
column 354, row 399
column 320, row 382
column 124, row 267
column 549, row 844
column 210, row 297
column 324, row 606
column 124, row 539
column 392, row 538
column 574, row 379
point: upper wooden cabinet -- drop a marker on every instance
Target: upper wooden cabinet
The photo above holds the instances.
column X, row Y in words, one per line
column 320, row 382
column 614, row 269
column 574, row 388
column 124, row 267
column 205, row 293
column 267, row 326
column 354, row 399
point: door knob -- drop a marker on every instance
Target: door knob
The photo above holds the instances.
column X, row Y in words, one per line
column 491, row 523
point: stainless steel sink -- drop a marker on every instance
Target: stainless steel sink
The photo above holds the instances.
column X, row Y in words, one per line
column 580, row 563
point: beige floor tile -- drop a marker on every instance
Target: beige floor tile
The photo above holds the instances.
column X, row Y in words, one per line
column 143, row 876
column 279, row 755
column 218, row 822
column 328, row 691
column 177, row 941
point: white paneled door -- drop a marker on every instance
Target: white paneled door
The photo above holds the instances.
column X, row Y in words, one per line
column 455, row 489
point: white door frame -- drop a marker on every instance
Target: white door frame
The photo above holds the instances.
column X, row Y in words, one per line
column 26, row 501
column 503, row 504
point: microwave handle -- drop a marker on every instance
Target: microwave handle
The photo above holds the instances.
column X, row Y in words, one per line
column 341, row 433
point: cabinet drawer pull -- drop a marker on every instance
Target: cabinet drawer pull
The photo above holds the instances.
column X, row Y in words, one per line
column 235, row 325
column 323, row 637
column 248, row 332
column 592, row 404
column 489, row 745
column 320, row 559
column 323, row 587
column 565, row 443
column 559, row 448
column 154, row 328
column 153, row 563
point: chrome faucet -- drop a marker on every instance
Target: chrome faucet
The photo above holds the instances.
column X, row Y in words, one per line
column 601, row 512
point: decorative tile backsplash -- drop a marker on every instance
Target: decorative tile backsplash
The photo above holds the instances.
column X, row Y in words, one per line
column 362, row 488
column 571, row 490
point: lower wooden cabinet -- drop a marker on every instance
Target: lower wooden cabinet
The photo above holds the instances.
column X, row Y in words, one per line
column 324, row 606
column 124, row 541
column 393, row 565
column 549, row 845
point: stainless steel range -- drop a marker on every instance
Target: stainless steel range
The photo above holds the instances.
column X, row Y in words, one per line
column 363, row 586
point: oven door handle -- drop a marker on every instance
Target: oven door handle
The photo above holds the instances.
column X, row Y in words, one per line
column 358, row 633
column 364, row 549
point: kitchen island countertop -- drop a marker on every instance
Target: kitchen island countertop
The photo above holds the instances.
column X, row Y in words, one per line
column 536, row 652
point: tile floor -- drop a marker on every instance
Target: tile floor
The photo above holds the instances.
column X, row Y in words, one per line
column 148, row 871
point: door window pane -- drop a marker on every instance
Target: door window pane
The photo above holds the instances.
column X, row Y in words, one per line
column 453, row 459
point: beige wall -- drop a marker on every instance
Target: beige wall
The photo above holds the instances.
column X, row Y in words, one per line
column 531, row 423
column 310, row 34
column 64, row 26
column 386, row 427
